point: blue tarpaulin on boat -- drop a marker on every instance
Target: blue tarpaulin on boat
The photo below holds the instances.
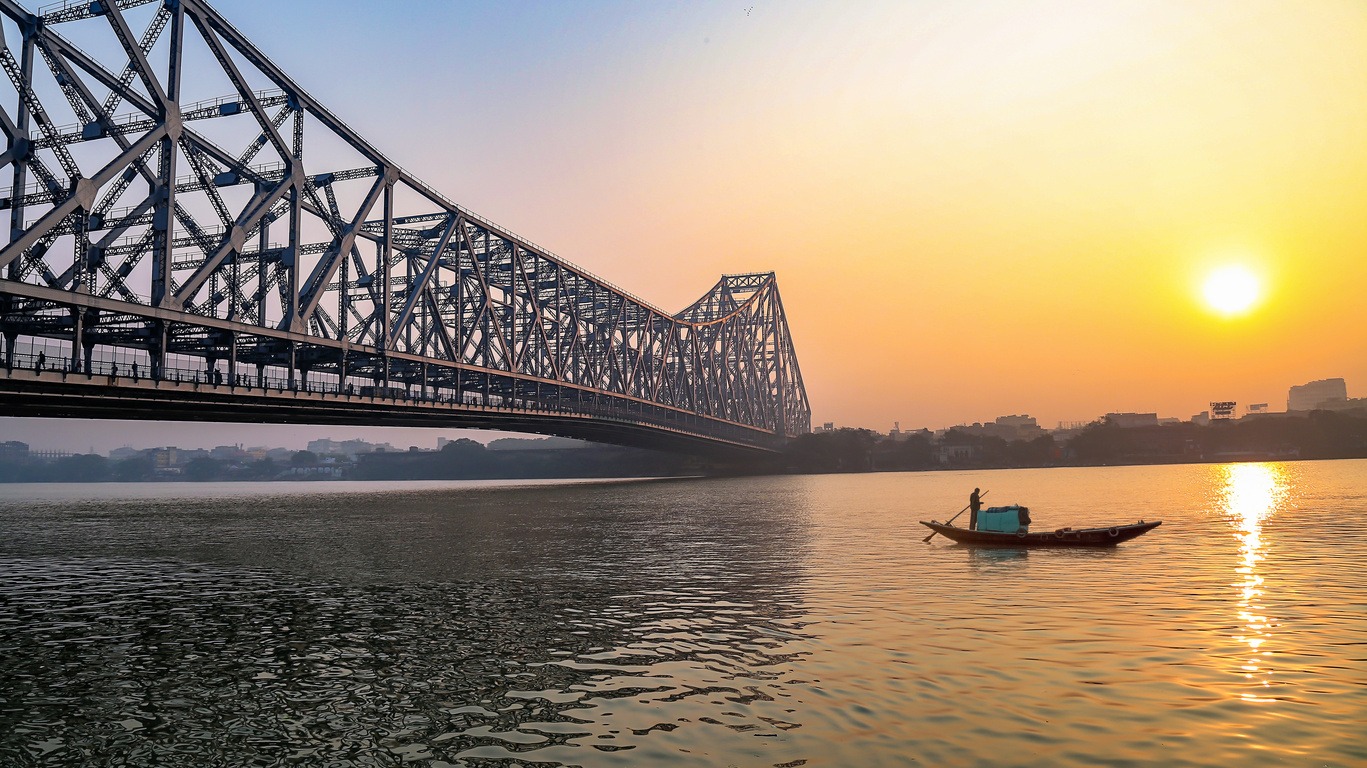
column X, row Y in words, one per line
column 1005, row 519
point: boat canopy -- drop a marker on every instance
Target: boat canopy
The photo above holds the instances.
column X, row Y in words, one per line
column 1012, row 519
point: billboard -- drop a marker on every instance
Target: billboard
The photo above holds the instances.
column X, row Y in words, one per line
column 1222, row 409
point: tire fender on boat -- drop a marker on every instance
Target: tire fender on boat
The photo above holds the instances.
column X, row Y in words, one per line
column 1114, row 532
column 1020, row 534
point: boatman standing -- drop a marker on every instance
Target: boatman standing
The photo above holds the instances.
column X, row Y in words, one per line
column 975, row 503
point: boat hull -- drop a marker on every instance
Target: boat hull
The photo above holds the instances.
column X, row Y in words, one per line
column 1063, row 537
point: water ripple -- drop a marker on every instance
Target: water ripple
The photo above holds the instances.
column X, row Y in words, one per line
column 752, row 622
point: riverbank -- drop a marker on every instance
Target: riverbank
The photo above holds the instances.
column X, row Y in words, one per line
column 1277, row 437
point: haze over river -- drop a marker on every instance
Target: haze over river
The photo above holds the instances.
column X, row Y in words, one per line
column 775, row 621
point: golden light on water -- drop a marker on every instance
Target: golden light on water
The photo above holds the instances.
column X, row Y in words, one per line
column 1251, row 494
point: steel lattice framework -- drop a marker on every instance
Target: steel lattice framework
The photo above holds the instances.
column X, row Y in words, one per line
column 144, row 256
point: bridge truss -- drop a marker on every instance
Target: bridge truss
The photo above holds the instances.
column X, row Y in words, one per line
column 302, row 276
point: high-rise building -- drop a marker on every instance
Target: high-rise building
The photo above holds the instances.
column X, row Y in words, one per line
column 1309, row 397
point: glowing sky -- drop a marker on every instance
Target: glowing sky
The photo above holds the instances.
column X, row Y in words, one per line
column 974, row 208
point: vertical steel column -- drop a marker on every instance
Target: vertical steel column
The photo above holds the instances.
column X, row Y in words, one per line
column 291, row 313
column 16, row 227
column 164, row 207
column 160, row 334
column 386, row 253
column 78, row 342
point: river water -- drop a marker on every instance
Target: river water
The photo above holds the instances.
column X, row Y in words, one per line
column 777, row 621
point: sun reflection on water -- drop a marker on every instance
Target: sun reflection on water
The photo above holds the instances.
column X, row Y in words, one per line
column 1251, row 494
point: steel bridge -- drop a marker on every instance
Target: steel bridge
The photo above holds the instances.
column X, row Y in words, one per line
column 192, row 236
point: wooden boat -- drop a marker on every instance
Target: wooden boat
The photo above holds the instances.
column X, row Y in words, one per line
column 1063, row 537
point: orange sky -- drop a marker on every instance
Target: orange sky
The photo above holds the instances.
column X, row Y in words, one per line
column 975, row 208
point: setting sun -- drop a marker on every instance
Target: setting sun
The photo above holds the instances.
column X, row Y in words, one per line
column 1231, row 290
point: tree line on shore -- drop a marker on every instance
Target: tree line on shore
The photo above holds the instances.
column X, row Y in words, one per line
column 457, row 460
column 93, row 468
column 1313, row 435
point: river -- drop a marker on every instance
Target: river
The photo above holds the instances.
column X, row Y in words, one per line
column 774, row 621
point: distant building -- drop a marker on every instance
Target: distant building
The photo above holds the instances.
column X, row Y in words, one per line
column 898, row 434
column 1008, row 428
column 1201, row 419
column 351, row 448
column 948, row 454
column 13, row 450
column 1132, row 420
column 229, row 453
column 1316, row 395
column 1013, row 427
column 125, row 453
column 1348, row 404
column 165, row 458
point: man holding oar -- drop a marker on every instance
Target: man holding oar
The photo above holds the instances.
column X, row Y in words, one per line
column 975, row 502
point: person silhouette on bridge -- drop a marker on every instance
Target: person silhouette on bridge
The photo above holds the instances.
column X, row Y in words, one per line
column 42, row 361
column 975, row 503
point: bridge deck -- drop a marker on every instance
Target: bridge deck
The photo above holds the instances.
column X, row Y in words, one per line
column 61, row 394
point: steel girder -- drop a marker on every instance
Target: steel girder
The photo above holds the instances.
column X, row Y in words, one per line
column 134, row 234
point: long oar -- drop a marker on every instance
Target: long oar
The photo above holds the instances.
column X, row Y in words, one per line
column 956, row 517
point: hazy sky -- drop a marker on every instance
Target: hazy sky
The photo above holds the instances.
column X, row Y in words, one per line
column 974, row 208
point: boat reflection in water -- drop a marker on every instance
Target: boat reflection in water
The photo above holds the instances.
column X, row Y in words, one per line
column 1251, row 494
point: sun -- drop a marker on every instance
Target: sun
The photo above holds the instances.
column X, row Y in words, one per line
column 1231, row 290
